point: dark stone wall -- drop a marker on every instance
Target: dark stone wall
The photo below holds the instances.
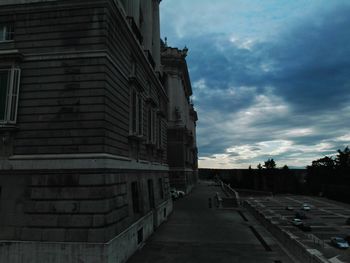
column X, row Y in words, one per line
column 76, row 59
column 75, row 84
column 75, row 205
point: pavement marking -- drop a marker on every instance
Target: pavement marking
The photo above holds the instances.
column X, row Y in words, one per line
column 243, row 216
column 321, row 209
column 260, row 238
column 332, row 205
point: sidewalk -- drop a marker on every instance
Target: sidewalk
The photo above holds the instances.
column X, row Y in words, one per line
column 196, row 233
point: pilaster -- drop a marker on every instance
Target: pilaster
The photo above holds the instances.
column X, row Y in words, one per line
column 147, row 24
column 156, row 34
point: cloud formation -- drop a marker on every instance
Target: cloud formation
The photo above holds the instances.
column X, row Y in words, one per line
column 279, row 91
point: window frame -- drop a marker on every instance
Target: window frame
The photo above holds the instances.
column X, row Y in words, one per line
column 151, row 199
column 12, row 95
column 7, row 32
column 159, row 132
column 151, row 123
column 135, row 196
column 161, row 188
column 136, row 113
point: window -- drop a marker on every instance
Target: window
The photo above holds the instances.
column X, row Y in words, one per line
column 140, row 235
column 135, row 197
column 140, row 112
column 9, row 88
column 6, row 33
column 151, row 134
column 136, row 120
column 159, row 137
column 160, row 185
column 150, row 193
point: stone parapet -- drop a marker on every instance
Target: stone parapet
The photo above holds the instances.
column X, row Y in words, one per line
column 300, row 251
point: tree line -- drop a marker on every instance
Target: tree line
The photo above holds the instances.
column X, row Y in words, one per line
column 330, row 176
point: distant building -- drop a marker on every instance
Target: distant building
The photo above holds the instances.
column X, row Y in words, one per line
column 182, row 146
column 86, row 127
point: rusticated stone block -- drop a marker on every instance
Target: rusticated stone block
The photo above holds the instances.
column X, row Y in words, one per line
column 118, row 201
column 92, row 179
column 111, row 178
column 99, row 220
column 31, row 234
column 74, row 220
column 73, row 235
column 65, row 206
column 112, row 217
column 7, row 232
column 42, row 220
column 94, row 206
column 97, row 235
column 56, row 234
column 121, row 189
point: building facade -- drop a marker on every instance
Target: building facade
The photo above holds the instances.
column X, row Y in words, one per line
column 182, row 146
column 84, row 174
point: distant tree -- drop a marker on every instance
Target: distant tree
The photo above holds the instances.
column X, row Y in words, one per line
column 285, row 167
column 325, row 162
column 342, row 159
column 320, row 174
column 270, row 164
column 259, row 166
column 331, row 176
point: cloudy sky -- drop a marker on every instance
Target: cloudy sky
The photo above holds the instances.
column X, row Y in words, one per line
column 271, row 78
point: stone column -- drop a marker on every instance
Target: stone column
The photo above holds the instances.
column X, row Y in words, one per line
column 133, row 10
column 156, row 34
column 129, row 7
column 146, row 28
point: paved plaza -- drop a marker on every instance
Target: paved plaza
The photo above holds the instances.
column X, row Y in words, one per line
column 197, row 233
column 327, row 219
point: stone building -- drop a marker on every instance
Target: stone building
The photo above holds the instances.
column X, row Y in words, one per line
column 84, row 173
column 182, row 146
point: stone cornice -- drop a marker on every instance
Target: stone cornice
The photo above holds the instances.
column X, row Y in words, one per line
column 77, row 161
column 12, row 54
column 20, row 2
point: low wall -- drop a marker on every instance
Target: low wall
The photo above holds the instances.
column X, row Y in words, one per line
column 118, row 250
column 233, row 200
column 290, row 242
column 162, row 212
column 248, row 192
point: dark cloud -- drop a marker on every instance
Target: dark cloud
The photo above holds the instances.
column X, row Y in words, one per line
column 255, row 149
column 313, row 62
column 233, row 154
column 215, row 145
column 306, row 68
column 309, row 65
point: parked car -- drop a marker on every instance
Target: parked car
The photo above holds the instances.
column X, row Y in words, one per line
column 180, row 193
column 305, row 227
column 174, row 194
column 305, row 207
column 339, row 242
column 300, row 215
column 297, row 222
column 289, row 208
